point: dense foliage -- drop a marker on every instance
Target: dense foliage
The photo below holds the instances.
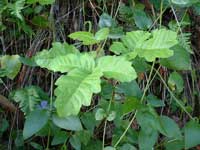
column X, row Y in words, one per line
column 120, row 75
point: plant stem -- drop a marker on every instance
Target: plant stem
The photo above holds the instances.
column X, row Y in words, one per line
column 133, row 118
column 108, row 111
column 171, row 93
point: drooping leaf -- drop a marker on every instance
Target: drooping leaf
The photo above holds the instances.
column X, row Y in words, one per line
column 69, row 123
column 35, row 121
column 75, row 90
column 11, row 65
column 28, row 98
column 192, row 134
column 117, row 67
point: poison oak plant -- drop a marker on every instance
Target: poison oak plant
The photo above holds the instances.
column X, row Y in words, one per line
column 82, row 76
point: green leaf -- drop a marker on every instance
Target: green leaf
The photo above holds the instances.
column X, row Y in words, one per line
column 147, row 140
column 35, row 121
column 69, row 123
column 42, row 2
column 142, row 21
column 141, row 43
column 11, row 65
column 102, row 34
column 184, row 3
column 154, row 101
column 16, row 8
column 86, row 37
column 28, row 98
column 69, row 62
column 174, row 144
column 179, row 61
column 192, row 134
column 61, row 57
column 106, row 21
column 118, row 48
column 171, row 128
column 117, row 67
column 40, row 21
column 159, row 45
column 75, row 142
column 75, row 90
column 109, row 148
column 127, row 146
column 111, row 116
column 84, row 136
column 100, row 114
column 176, row 82
column 59, row 138
column 129, row 89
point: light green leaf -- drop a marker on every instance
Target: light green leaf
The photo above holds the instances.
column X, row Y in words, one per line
column 118, row 48
column 102, row 34
column 141, row 43
column 61, row 57
column 192, row 134
column 28, row 98
column 35, row 121
column 69, row 62
column 16, row 8
column 100, row 114
column 75, row 90
column 86, row 37
column 11, row 65
column 69, row 123
column 159, row 45
column 117, row 67
column 111, row 116
column 184, row 3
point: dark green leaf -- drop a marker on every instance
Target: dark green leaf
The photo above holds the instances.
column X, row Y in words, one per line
column 35, row 121
column 192, row 134
column 69, row 123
